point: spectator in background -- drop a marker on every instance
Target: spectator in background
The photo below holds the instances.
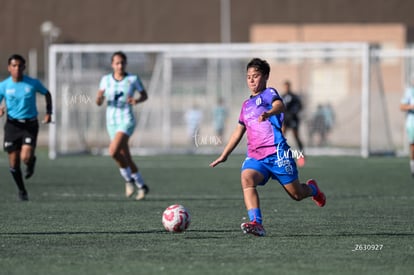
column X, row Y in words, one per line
column 219, row 118
column 317, row 126
column 291, row 121
column 321, row 124
column 329, row 115
column 193, row 117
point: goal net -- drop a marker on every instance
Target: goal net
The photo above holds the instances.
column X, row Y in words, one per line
column 342, row 114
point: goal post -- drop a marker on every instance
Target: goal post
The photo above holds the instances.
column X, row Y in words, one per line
column 179, row 77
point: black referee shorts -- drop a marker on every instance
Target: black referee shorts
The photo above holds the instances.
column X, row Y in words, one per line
column 19, row 132
column 292, row 123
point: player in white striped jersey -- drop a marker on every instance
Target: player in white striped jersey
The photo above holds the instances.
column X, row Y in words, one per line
column 118, row 89
column 407, row 106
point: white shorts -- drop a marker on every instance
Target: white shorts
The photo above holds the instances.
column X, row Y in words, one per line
column 126, row 128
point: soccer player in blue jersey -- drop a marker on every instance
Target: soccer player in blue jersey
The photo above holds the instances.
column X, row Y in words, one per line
column 21, row 128
column 407, row 105
column 118, row 88
column 268, row 154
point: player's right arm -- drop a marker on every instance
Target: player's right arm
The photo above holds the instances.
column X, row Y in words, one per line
column 406, row 101
column 2, row 108
column 103, row 84
column 406, row 107
column 233, row 142
column 100, row 97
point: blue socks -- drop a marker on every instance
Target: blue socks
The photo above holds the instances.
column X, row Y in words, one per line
column 255, row 215
column 314, row 189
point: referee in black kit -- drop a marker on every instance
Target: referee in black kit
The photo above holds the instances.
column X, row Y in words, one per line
column 21, row 128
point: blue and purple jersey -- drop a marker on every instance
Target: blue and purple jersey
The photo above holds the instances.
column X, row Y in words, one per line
column 263, row 138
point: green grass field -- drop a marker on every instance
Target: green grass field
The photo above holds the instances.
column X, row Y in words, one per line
column 79, row 222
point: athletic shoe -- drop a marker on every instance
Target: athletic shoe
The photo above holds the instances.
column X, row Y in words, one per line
column 319, row 198
column 142, row 191
column 129, row 189
column 30, row 168
column 253, row 228
column 23, row 196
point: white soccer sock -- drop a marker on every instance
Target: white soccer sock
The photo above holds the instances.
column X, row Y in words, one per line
column 126, row 173
column 139, row 181
column 412, row 166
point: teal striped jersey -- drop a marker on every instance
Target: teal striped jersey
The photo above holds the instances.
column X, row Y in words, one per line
column 116, row 92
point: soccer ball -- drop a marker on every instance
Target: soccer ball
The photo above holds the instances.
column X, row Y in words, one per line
column 176, row 218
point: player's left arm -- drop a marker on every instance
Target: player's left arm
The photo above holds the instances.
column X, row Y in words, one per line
column 277, row 108
column 143, row 96
column 49, row 108
column 137, row 86
column 48, row 97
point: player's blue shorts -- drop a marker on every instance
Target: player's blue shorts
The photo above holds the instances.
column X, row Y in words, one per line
column 126, row 128
column 280, row 166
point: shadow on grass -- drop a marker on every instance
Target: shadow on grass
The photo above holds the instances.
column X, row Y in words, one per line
column 348, row 234
column 134, row 232
column 197, row 234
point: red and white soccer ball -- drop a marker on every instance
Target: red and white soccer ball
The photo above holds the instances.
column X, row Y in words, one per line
column 176, row 218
